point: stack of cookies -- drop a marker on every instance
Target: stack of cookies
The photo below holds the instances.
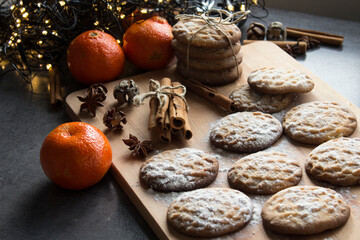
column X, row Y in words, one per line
column 270, row 89
column 207, row 53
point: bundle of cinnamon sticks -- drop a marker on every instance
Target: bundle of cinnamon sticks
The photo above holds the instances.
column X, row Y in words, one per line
column 169, row 114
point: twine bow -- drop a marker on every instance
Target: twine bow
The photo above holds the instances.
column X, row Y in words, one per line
column 215, row 22
column 160, row 92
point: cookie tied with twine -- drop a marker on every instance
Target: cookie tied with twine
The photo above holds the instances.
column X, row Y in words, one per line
column 208, row 33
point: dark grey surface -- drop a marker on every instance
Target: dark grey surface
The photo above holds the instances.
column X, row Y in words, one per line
column 31, row 207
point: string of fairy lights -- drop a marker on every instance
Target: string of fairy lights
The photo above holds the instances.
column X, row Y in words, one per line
column 34, row 35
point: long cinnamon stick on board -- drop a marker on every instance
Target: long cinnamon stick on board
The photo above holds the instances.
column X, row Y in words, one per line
column 328, row 38
column 282, row 44
column 209, row 94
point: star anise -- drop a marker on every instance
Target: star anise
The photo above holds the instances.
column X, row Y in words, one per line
column 310, row 42
column 113, row 119
column 95, row 94
column 141, row 148
column 292, row 50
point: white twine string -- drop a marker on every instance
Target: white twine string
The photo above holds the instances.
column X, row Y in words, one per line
column 231, row 18
column 160, row 92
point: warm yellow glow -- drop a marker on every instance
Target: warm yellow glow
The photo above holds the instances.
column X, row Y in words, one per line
column 12, row 7
column 39, row 4
column 25, row 15
column 62, row 3
column 19, row 40
column 18, row 20
column 109, row 7
column 22, row 10
column 44, row 32
column 144, row 11
column 54, row 33
column 255, row 1
column 21, row 3
column 230, row 8
column 160, row 1
column 39, row 56
column 40, row 42
column 122, row 16
column 9, row 42
column 118, row 41
column 96, row 23
column 17, row 25
column 48, row 66
column 15, row 34
column 47, row 21
column 242, row 7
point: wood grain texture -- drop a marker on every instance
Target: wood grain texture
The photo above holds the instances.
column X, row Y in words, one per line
column 202, row 115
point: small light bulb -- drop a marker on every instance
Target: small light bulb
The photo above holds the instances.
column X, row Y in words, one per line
column 40, row 42
column 143, row 11
column 18, row 41
column 22, row 10
column 25, row 15
column 47, row 21
column 18, row 20
column 12, row 7
column 242, row 7
column 160, row 1
column 122, row 16
column 21, row 3
column 96, row 23
column 44, row 32
column 230, row 8
column 118, row 41
column 39, row 56
column 62, row 3
column 48, row 66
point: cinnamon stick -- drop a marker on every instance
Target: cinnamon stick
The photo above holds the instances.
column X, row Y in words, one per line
column 327, row 38
column 209, row 94
column 177, row 108
column 282, row 44
column 165, row 136
column 162, row 109
column 56, row 98
column 186, row 130
column 153, row 103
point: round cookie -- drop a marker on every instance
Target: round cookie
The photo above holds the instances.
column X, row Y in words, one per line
column 245, row 132
column 203, row 35
column 210, row 212
column 247, row 99
column 279, row 81
column 179, row 170
column 205, row 53
column 305, row 210
column 211, row 78
column 264, row 173
column 211, row 64
column 336, row 161
column 317, row 122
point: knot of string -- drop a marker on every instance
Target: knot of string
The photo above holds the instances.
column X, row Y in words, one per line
column 224, row 18
column 161, row 92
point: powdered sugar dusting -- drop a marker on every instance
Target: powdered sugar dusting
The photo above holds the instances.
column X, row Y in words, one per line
column 245, row 131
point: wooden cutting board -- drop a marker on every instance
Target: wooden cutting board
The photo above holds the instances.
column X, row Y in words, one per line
column 202, row 115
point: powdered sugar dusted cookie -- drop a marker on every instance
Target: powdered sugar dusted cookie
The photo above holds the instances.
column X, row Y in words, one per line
column 205, row 53
column 336, row 161
column 279, row 81
column 247, row 99
column 179, row 170
column 211, row 78
column 317, row 122
column 245, row 131
column 210, row 212
column 305, row 210
column 211, row 64
column 203, row 35
column 264, row 173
